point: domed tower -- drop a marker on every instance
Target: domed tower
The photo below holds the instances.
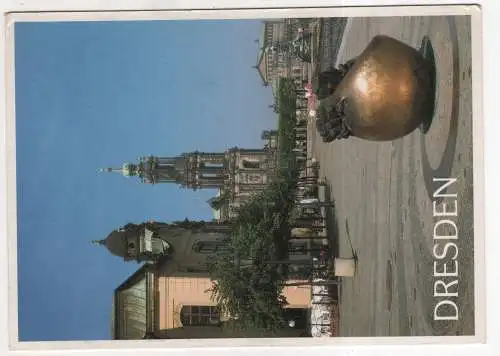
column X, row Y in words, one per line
column 135, row 242
column 184, row 245
column 193, row 170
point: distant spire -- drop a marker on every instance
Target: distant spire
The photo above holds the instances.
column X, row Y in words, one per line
column 99, row 242
column 118, row 170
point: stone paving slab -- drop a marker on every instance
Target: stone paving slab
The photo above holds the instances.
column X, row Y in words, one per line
column 383, row 193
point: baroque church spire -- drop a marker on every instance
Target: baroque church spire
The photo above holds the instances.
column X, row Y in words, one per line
column 194, row 170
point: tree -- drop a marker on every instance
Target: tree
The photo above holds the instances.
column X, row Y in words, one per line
column 217, row 203
column 248, row 288
column 266, row 135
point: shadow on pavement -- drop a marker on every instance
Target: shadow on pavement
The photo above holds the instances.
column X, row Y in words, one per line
column 332, row 224
column 333, row 233
column 427, row 52
column 446, row 164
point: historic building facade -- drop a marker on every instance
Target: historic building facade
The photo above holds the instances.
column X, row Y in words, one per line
column 272, row 65
column 236, row 167
column 154, row 242
column 159, row 305
column 235, row 174
column 169, row 297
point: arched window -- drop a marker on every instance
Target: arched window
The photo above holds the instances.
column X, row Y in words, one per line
column 200, row 315
column 131, row 250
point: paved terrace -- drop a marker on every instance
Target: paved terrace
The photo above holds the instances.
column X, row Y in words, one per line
column 383, row 193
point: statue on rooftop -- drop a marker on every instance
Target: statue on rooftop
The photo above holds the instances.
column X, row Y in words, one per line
column 299, row 47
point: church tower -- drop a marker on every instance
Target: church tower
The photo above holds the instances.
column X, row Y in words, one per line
column 136, row 242
column 187, row 244
column 246, row 168
column 194, row 170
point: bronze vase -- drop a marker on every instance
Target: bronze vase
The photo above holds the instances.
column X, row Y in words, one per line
column 387, row 93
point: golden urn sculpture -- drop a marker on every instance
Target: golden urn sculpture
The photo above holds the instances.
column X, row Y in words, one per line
column 385, row 94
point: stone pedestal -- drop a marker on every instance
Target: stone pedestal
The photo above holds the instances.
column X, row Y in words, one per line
column 344, row 267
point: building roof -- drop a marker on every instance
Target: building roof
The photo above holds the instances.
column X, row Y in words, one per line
column 116, row 243
column 133, row 305
column 261, row 65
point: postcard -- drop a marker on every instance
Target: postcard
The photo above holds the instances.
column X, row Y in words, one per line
column 242, row 175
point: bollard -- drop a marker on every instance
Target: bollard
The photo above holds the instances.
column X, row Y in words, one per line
column 344, row 267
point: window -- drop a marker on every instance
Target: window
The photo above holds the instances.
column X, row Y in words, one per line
column 200, row 315
column 297, row 248
column 211, row 164
column 250, row 164
column 197, row 270
column 206, row 247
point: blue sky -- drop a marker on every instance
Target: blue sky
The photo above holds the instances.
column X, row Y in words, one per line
column 96, row 94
